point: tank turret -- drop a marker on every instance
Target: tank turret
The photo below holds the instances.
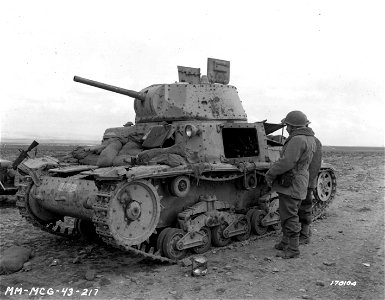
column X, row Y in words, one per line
column 193, row 97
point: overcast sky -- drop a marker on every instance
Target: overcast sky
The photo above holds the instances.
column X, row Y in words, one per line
column 325, row 58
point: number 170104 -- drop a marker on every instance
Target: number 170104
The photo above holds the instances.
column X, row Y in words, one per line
column 343, row 283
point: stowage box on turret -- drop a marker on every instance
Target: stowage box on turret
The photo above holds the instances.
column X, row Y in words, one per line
column 187, row 175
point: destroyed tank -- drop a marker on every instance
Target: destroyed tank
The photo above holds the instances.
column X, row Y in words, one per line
column 188, row 175
column 7, row 171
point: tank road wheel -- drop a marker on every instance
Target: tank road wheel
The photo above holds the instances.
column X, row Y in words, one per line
column 324, row 192
column 133, row 213
column 180, row 186
column 170, row 240
column 207, row 241
column 249, row 214
column 245, row 222
column 217, row 236
column 256, row 225
column 159, row 241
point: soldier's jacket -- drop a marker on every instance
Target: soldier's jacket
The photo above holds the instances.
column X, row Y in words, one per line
column 296, row 155
column 315, row 164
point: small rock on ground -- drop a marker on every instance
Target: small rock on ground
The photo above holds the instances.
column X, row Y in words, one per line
column 77, row 260
column 320, row 283
column 186, row 262
column 90, row 275
column 267, row 258
column 105, row 281
column 27, row 266
column 275, row 270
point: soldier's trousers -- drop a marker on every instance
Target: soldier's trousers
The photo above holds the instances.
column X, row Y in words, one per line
column 288, row 211
column 304, row 211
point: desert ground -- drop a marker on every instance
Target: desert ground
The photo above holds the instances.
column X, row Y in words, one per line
column 345, row 259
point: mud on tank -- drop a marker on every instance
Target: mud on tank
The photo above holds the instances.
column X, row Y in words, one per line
column 188, row 175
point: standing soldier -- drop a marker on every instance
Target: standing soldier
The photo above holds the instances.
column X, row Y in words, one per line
column 289, row 177
column 305, row 209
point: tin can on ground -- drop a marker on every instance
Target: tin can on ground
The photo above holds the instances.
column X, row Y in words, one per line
column 199, row 266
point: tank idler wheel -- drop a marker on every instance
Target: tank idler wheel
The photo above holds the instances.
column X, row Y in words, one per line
column 180, row 186
column 217, row 236
column 256, row 225
column 170, row 240
column 86, row 229
column 159, row 241
column 326, row 186
column 206, row 239
column 246, row 223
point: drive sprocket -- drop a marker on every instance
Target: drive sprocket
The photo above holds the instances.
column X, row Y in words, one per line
column 131, row 214
column 125, row 216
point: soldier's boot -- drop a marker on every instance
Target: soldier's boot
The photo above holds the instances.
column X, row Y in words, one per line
column 304, row 235
column 292, row 250
column 283, row 244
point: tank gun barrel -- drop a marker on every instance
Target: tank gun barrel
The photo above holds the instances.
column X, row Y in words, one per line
column 108, row 87
column 23, row 155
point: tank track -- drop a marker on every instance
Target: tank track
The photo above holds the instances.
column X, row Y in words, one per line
column 26, row 213
column 319, row 207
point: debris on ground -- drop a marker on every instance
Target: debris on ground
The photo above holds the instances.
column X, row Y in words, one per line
column 90, row 275
column 329, row 263
column 320, row 283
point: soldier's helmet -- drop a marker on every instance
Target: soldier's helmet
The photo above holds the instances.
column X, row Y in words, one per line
column 295, row 118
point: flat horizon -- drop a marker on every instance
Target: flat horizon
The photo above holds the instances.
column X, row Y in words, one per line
column 20, row 141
